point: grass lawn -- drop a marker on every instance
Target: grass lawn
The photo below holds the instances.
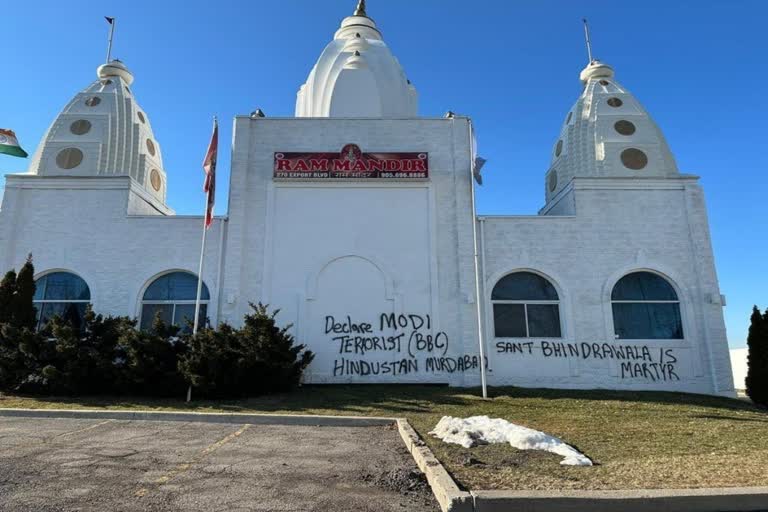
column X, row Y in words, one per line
column 637, row 439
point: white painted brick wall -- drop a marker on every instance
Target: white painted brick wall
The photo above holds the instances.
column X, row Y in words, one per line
column 89, row 226
column 620, row 225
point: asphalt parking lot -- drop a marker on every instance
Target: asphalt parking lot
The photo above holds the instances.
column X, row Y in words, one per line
column 89, row 465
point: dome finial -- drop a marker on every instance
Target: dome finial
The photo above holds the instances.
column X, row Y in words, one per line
column 595, row 68
column 589, row 42
column 360, row 10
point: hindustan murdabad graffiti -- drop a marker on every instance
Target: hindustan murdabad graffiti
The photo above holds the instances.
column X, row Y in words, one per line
column 392, row 344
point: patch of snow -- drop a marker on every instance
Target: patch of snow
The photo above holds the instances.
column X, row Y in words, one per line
column 469, row 432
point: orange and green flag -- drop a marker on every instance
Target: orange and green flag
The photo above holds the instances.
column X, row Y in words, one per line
column 9, row 144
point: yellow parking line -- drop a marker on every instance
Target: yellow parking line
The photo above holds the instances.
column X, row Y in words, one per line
column 55, row 437
column 182, row 468
column 84, row 429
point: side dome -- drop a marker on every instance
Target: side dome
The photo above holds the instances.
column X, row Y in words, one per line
column 607, row 133
column 103, row 132
column 357, row 76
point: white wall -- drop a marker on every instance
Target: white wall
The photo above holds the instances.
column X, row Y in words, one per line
column 319, row 249
column 621, row 225
column 739, row 366
column 358, row 248
column 81, row 225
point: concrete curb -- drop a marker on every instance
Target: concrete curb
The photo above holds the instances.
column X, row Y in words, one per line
column 448, row 494
column 740, row 499
column 453, row 499
column 203, row 417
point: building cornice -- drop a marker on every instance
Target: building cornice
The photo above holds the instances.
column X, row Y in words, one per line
column 33, row 181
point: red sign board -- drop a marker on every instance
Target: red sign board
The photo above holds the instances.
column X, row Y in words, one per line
column 351, row 163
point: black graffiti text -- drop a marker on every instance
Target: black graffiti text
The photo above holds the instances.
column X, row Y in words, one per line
column 404, row 321
column 649, row 371
column 403, row 366
column 348, row 327
column 363, row 344
column 453, row 364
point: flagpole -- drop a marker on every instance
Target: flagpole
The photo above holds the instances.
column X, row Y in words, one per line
column 199, row 281
column 478, row 298
column 111, row 33
column 198, row 297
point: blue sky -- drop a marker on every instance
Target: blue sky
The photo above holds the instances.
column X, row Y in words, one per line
column 700, row 68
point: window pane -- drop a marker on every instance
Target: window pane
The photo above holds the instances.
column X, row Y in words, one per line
column 148, row 312
column 39, row 290
column 175, row 286
column 185, row 316
column 647, row 321
column 509, row 320
column 72, row 312
column 643, row 286
column 47, row 311
column 61, row 286
column 523, row 286
column 544, row 320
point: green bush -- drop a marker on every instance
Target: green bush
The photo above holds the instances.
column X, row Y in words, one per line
column 15, row 361
column 16, row 294
column 757, row 358
column 149, row 361
column 17, row 323
column 259, row 358
column 67, row 360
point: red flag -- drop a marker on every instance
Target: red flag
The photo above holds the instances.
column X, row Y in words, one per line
column 209, row 165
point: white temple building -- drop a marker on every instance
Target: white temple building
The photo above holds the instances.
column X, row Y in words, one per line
column 612, row 285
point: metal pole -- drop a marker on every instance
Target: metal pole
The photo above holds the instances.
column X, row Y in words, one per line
column 199, row 293
column 478, row 297
column 202, row 249
column 199, row 281
column 196, row 324
column 111, row 33
column 589, row 42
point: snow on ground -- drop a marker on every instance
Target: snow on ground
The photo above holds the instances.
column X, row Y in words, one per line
column 469, row 432
column 739, row 365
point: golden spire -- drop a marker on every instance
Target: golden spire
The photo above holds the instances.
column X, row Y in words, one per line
column 360, row 10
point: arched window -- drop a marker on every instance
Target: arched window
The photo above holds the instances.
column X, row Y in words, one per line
column 646, row 307
column 525, row 305
column 63, row 294
column 173, row 296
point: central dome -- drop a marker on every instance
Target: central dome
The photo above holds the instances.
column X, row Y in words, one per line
column 357, row 76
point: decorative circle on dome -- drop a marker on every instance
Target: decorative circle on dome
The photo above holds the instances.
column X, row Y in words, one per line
column 615, row 102
column 624, row 127
column 69, row 158
column 633, row 158
column 154, row 178
column 559, row 147
column 570, row 115
column 151, row 147
column 93, row 101
column 552, row 180
column 80, row 127
column 141, row 117
column 604, row 82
